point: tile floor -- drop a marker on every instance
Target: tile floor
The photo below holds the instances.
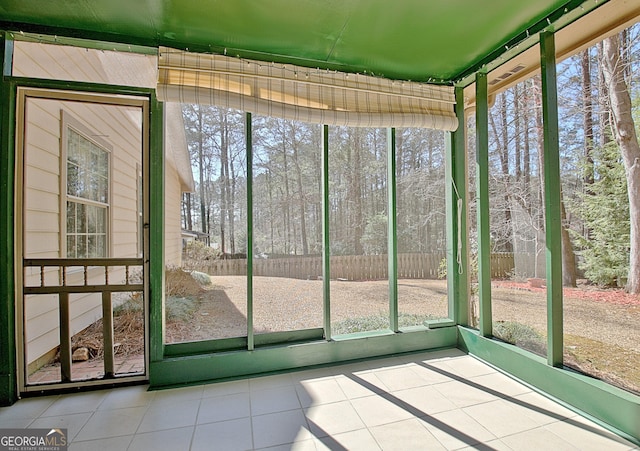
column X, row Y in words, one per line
column 431, row 401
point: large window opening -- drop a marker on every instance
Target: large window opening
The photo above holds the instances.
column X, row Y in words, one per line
column 281, row 189
column 601, row 319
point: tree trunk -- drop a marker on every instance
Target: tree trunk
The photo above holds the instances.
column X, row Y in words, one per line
column 624, row 132
column 587, row 115
column 568, row 257
column 203, row 213
column 301, row 197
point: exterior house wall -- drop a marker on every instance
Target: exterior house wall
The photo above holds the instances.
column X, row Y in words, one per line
column 115, row 127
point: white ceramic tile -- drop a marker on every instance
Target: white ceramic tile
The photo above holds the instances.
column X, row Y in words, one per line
column 274, row 400
column 124, row 397
column 501, row 418
column 302, row 445
column 360, row 440
column 167, row 440
column 405, row 435
column 270, row 382
column 170, row 416
column 229, row 435
column 368, row 380
column 319, row 391
column 426, row 399
column 73, row 423
column 432, row 356
column 178, row 394
column 375, row 411
column 317, row 373
column 107, row 444
column 588, row 436
column 543, row 409
column 465, row 366
column 493, row 445
column 334, row 418
column 537, row 439
column 18, row 423
column 463, row 395
column 455, row 429
column 225, row 388
column 76, row 403
column 112, row 423
column 221, row 408
column 279, row 428
column 429, row 375
column 353, row 388
column 501, row 383
column 27, row 408
column 400, row 378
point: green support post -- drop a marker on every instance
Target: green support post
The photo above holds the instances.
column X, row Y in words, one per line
column 553, row 223
column 456, row 201
column 326, row 246
column 392, row 246
column 154, row 262
column 8, row 369
column 249, row 146
column 482, row 203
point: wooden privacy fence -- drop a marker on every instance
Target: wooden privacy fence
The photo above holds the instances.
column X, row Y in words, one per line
column 347, row 267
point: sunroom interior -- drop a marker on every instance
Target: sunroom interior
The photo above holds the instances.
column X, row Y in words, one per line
column 372, row 180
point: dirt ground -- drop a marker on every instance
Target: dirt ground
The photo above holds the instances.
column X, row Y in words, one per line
column 281, row 304
column 601, row 326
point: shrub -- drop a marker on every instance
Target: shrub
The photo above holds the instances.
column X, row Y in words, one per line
column 521, row 335
column 179, row 283
column 201, row 278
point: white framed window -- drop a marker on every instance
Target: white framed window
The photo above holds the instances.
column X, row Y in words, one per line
column 86, row 190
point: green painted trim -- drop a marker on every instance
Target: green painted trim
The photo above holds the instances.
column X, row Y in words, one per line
column 155, row 258
column 249, row 146
column 456, row 221
column 439, row 323
column 553, row 222
column 202, row 368
column 290, row 336
column 7, row 56
column 392, row 245
column 482, row 204
column 614, row 408
column 326, row 240
column 8, row 366
column 205, row 346
column 240, row 343
column 557, row 20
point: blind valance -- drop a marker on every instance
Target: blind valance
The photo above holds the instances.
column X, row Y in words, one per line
column 299, row 93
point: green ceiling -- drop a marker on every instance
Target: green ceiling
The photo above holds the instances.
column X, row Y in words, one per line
column 402, row 39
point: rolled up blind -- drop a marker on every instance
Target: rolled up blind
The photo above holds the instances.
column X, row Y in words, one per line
column 299, row 93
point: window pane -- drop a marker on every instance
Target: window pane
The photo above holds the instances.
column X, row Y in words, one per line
column 90, row 179
column 287, row 229
column 213, row 304
column 518, row 284
column 601, row 322
column 358, row 218
column 71, row 246
column 81, row 221
column 421, row 232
